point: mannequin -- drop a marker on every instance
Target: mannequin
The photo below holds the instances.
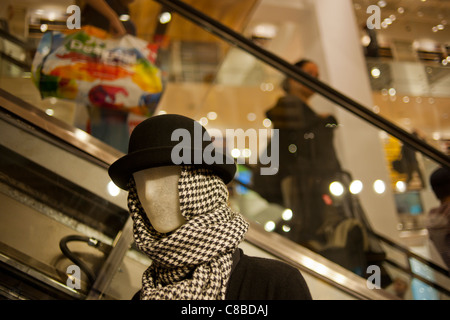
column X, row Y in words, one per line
column 183, row 223
column 157, row 189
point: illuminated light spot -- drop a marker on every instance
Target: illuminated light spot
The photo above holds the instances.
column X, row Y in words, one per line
column 356, row 187
column 165, row 17
column 379, row 186
column 267, row 123
column 124, row 17
column 266, row 86
column 436, row 136
column 376, row 109
column 246, row 153
column 400, row 186
column 375, row 72
column 51, row 16
column 235, row 153
column 336, row 188
column 251, row 116
column 212, row 115
column 80, row 134
column 287, row 215
column 269, row 226
column 292, row 148
column 286, row 228
column 113, row 190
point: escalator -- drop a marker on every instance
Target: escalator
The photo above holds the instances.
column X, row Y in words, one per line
column 55, row 185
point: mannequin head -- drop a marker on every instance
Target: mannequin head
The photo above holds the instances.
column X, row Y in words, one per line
column 157, row 189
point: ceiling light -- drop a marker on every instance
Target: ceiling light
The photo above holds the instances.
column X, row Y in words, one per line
column 436, row 136
column 212, row 115
column 267, row 123
column 124, row 17
column 400, row 186
column 356, row 187
column 379, row 186
column 235, row 153
column 269, row 226
column 336, row 188
column 287, row 215
column 382, row 3
column 165, row 17
column 375, row 72
column 51, row 16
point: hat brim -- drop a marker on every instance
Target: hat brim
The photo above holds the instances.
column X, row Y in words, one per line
column 122, row 170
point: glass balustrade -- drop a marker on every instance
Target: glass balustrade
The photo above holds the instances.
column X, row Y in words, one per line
column 363, row 213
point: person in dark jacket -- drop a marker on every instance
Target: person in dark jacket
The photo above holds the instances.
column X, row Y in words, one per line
column 308, row 161
column 183, row 222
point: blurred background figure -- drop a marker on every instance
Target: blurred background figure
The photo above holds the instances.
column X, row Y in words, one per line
column 308, row 161
column 113, row 16
column 6, row 14
column 438, row 220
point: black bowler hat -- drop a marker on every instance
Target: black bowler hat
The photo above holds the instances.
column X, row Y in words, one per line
column 151, row 146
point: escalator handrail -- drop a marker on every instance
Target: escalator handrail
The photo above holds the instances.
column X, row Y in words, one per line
column 296, row 255
column 296, row 73
column 409, row 253
column 22, row 65
column 15, row 40
column 419, row 277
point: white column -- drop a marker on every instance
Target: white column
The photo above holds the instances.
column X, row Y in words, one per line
column 331, row 38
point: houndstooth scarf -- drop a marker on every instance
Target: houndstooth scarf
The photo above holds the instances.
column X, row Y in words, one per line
column 193, row 262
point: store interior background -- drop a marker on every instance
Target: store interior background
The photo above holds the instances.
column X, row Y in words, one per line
column 222, row 87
